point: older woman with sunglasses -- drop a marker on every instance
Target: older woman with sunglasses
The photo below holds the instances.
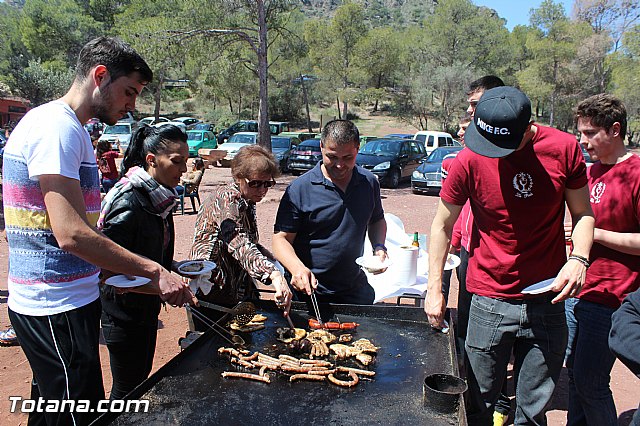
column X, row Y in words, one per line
column 227, row 234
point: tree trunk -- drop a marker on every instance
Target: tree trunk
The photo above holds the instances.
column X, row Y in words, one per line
column 338, row 104
column 264, row 133
column 305, row 97
column 157, row 94
column 344, row 109
column 554, row 93
column 378, row 84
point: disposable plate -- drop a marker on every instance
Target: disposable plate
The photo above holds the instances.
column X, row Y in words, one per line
column 541, row 287
column 372, row 263
column 123, row 281
column 207, row 266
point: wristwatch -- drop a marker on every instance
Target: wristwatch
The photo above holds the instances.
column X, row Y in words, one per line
column 379, row 246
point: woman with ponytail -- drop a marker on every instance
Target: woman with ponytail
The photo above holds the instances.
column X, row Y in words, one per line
column 136, row 214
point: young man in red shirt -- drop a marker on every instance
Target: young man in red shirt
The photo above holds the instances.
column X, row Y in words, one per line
column 517, row 176
column 614, row 184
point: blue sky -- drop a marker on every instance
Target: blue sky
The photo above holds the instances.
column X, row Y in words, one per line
column 516, row 12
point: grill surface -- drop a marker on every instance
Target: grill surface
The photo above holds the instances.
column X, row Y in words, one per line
column 190, row 390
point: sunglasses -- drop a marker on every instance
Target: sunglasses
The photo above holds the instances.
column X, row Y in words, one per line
column 260, row 183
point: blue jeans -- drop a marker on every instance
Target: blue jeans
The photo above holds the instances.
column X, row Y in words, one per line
column 536, row 332
column 589, row 363
column 107, row 184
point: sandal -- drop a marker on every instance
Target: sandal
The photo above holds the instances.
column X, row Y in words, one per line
column 8, row 337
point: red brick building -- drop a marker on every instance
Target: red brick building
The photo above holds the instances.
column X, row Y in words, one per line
column 12, row 108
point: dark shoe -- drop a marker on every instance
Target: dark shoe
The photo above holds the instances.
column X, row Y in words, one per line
column 8, row 337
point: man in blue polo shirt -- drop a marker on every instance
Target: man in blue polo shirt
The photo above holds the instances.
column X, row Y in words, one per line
column 323, row 218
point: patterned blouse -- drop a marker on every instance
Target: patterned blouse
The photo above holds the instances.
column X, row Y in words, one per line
column 227, row 234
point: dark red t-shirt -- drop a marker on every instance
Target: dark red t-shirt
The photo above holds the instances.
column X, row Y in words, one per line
column 518, row 207
column 110, row 158
column 615, row 200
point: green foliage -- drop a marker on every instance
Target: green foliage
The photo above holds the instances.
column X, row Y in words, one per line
column 56, row 29
column 624, row 81
column 285, row 103
column 189, row 106
column 41, row 83
column 415, row 57
column 176, row 94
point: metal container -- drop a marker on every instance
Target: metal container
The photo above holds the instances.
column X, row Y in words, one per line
column 443, row 392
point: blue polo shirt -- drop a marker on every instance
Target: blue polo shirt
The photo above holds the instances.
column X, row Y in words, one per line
column 330, row 226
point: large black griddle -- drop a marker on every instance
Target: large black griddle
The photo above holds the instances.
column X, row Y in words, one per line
column 189, row 388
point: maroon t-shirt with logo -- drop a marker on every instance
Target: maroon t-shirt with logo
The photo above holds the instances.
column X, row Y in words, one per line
column 615, row 200
column 518, row 207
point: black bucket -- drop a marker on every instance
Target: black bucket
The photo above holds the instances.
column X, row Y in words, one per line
column 442, row 392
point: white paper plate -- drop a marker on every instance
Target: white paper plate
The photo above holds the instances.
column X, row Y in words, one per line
column 372, row 263
column 124, row 282
column 207, row 266
column 541, row 287
column 452, row 261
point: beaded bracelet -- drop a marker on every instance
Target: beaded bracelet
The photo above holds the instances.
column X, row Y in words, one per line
column 580, row 259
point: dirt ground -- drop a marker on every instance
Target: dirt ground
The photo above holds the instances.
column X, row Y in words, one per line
column 416, row 211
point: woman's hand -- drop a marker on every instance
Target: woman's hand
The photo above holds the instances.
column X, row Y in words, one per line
column 283, row 292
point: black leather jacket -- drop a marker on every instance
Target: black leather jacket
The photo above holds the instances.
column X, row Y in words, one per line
column 131, row 224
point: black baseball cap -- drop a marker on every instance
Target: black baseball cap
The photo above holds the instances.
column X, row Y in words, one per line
column 499, row 123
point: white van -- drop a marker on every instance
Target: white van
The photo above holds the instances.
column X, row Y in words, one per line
column 432, row 139
column 120, row 131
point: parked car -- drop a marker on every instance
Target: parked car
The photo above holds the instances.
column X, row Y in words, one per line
column 150, row 121
column 178, row 124
column 432, row 139
column 399, row 135
column 120, row 131
column 199, row 139
column 209, row 127
column 128, row 117
column 391, row 160
column 190, row 122
column 94, row 127
column 236, row 142
column 585, row 154
column 281, row 147
column 277, row 127
column 305, row 156
column 238, row 126
column 365, row 139
column 428, row 176
column 303, row 136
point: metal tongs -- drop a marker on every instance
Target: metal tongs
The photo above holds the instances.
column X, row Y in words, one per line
column 217, row 328
column 314, row 302
column 242, row 313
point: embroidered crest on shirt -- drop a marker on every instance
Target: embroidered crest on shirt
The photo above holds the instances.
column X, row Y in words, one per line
column 597, row 192
column 523, row 182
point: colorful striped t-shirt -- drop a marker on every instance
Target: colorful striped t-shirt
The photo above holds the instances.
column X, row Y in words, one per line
column 43, row 279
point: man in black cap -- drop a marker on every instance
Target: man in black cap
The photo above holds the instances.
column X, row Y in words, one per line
column 518, row 176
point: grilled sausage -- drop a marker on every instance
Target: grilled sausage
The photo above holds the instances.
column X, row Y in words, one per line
column 344, row 383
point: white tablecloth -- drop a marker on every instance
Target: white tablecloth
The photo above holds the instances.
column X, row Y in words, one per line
column 384, row 284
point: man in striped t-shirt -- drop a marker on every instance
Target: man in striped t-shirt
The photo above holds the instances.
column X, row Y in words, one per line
column 52, row 201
